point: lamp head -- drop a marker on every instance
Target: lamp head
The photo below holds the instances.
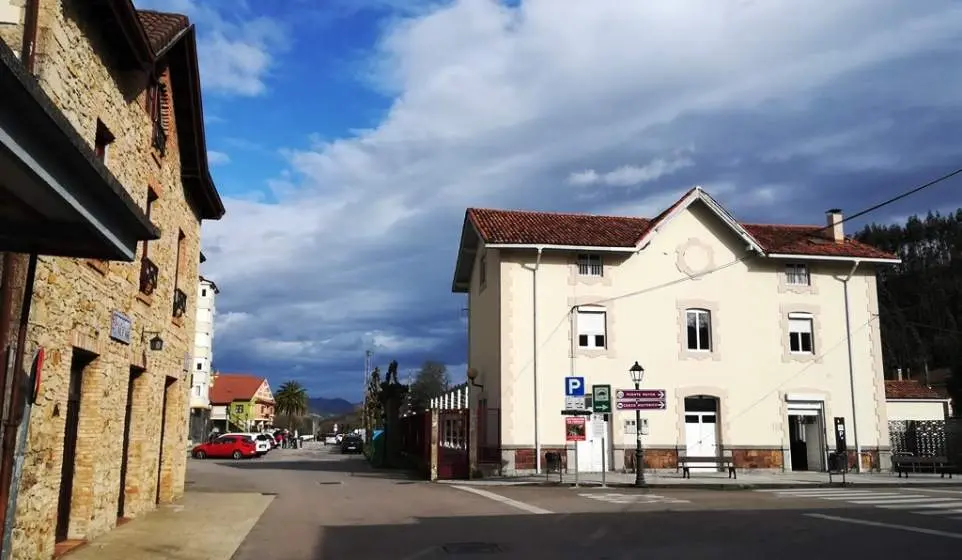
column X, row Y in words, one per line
column 637, row 372
column 156, row 343
column 472, row 374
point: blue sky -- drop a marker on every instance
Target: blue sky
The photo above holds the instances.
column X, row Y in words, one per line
column 349, row 136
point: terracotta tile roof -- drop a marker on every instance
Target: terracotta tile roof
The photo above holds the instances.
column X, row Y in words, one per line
column 548, row 228
column 912, row 389
column 229, row 387
column 585, row 230
column 161, row 27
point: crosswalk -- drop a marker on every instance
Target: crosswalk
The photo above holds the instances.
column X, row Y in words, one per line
column 929, row 502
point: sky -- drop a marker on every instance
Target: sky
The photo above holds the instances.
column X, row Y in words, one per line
column 347, row 138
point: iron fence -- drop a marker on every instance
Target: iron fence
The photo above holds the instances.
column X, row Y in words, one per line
column 922, row 438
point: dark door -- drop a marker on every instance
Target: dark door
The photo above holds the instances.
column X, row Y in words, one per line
column 121, row 499
column 71, row 424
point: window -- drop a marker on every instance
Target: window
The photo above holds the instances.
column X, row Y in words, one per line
column 590, row 265
column 800, row 339
column 591, row 328
column 797, row 275
column 699, row 329
column 158, row 110
column 239, row 408
column 483, row 271
column 203, row 292
column 200, row 366
column 196, row 390
column 102, row 141
column 148, row 208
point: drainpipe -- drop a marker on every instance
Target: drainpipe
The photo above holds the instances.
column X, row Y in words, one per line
column 851, row 366
column 534, row 358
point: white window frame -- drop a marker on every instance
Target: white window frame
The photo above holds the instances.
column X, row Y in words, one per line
column 798, row 274
column 592, row 333
column 799, row 324
column 699, row 314
column 591, row 264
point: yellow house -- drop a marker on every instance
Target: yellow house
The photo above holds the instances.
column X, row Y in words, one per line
column 743, row 326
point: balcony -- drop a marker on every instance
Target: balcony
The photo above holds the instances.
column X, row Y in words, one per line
column 159, row 138
column 149, row 274
column 180, row 303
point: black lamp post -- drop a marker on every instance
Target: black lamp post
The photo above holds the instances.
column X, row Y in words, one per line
column 637, row 374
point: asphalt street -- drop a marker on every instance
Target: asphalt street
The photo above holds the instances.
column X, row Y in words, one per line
column 333, row 507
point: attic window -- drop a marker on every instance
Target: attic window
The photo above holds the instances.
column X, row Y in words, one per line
column 819, row 240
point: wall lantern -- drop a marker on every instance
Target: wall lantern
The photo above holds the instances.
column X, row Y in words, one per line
column 156, row 343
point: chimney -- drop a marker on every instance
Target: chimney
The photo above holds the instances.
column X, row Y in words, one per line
column 833, row 219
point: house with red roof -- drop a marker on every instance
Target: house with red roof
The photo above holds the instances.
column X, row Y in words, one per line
column 753, row 338
column 241, row 403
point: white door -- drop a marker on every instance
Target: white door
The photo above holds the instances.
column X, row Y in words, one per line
column 701, row 437
column 591, row 451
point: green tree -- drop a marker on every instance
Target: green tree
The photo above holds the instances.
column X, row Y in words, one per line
column 291, row 401
column 430, row 381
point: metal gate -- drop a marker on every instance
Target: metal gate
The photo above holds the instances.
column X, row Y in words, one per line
column 453, row 462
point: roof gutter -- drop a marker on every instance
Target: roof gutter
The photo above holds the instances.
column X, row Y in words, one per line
column 541, row 248
column 133, row 31
column 833, row 258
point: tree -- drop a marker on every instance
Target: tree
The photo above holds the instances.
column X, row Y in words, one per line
column 291, row 400
column 431, row 380
column 920, row 300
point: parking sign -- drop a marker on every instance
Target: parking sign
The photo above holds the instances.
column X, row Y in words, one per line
column 574, row 386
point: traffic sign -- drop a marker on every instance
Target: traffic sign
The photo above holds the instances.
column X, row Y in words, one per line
column 601, row 398
column 575, row 403
column 642, row 405
column 640, row 394
column 574, row 386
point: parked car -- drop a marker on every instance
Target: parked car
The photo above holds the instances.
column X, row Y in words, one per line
column 351, row 444
column 261, row 441
column 233, row 446
column 330, row 439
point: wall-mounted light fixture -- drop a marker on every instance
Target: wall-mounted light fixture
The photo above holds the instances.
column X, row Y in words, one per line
column 156, row 343
column 472, row 375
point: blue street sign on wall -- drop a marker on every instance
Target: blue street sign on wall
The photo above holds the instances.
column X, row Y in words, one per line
column 574, row 386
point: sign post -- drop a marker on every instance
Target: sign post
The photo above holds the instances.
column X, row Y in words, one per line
column 841, row 450
column 574, row 393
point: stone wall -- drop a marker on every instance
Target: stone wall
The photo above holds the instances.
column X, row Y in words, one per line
column 72, row 306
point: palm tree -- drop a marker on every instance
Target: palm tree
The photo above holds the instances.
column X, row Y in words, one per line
column 291, row 400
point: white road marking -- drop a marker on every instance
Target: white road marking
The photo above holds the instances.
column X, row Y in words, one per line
column 909, row 501
column 952, row 504
column 937, row 491
column 879, row 496
column 867, row 523
column 941, row 512
column 893, row 498
column 504, row 500
column 626, row 499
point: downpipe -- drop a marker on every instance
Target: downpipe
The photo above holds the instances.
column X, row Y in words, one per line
column 534, row 359
column 851, row 365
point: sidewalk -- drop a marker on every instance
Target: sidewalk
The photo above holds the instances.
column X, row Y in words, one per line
column 712, row 480
column 201, row 526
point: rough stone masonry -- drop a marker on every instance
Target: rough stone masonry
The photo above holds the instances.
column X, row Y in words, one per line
column 74, row 300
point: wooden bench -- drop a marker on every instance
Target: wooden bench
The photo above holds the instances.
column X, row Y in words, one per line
column 686, row 463
column 905, row 464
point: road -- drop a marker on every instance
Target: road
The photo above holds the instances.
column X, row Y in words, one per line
column 333, row 507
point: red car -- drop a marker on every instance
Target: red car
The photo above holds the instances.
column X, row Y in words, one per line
column 236, row 447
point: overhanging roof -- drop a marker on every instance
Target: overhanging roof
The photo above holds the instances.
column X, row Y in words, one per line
column 56, row 197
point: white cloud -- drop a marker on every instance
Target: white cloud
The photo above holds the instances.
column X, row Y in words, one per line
column 495, row 106
column 630, row 175
column 217, row 158
column 237, row 52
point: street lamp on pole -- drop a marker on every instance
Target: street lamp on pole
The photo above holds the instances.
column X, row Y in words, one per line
column 637, row 374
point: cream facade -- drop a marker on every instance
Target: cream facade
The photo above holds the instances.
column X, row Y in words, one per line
column 108, row 432
column 200, row 410
column 760, row 376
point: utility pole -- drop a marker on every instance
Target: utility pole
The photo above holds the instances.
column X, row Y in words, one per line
column 368, row 359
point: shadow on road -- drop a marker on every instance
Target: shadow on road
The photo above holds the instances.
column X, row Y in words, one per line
column 787, row 534
column 354, row 466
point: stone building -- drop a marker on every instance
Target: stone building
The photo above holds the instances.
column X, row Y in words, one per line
column 109, row 429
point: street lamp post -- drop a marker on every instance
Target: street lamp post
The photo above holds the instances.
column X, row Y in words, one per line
column 637, row 374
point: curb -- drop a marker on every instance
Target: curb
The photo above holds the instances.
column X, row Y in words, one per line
column 712, row 486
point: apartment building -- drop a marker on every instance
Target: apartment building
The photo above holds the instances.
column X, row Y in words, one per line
column 199, row 424
column 108, row 431
column 744, row 326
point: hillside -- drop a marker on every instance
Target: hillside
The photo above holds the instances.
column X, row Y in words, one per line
column 330, row 407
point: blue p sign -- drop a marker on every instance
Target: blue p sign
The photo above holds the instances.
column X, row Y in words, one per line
column 574, row 386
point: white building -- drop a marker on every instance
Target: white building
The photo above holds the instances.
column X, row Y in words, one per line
column 753, row 358
column 203, row 356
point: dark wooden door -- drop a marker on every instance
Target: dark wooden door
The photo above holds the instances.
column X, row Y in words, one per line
column 128, row 411
column 71, row 425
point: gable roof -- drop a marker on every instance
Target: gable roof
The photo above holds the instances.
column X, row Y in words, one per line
column 524, row 229
column 162, row 28
column 911, row 389
column 230, row 387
